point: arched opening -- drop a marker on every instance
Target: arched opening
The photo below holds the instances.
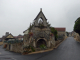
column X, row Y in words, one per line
column 40, row 42
column 40, row 20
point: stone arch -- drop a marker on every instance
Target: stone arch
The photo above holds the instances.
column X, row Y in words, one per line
column 41, row 41
column 40, row 19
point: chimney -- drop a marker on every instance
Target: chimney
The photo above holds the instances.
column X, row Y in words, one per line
column 7, row 33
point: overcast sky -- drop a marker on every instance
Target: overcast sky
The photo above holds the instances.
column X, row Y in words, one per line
column 16, row 15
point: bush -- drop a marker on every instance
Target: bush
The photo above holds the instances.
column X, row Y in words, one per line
column 54, row 32
column 5, row 46
column 33, row 50
column 77, row 26
column 42, row 46
column 29, row 48
column 56, row 36
column 25, row 52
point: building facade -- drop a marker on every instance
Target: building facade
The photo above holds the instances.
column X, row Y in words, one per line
column 61, row 32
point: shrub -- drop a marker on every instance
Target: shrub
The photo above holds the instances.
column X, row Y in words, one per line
column 29, row 48
column 77, row 26
column 42, row 46
column 5, row 46
column 33, row 50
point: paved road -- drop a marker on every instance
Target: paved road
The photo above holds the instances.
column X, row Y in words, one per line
column 68, row 50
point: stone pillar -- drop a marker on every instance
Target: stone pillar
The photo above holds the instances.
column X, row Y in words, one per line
column 30, row 39
column 11, row 47
column 52, row 41
column 36, row 22
column 34, row 43
column 48, row 44
column 7, row 48
column 45, row 23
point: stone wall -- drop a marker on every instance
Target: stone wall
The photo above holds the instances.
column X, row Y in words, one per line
column 61, row 33
column 77, row 37
column 17, row 47
column 36, row 30
column 26, row 39
column 52, row 42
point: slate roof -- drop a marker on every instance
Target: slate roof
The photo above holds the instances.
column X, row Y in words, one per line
column 18, row 36
column 8, row 35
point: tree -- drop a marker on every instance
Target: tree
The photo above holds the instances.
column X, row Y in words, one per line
column 77, row 26
column 67, row 33
column 54, row 32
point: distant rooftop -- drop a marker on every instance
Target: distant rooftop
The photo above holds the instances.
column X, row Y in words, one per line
column 60, row 29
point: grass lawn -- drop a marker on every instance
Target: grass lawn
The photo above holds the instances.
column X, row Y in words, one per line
column 1, row 43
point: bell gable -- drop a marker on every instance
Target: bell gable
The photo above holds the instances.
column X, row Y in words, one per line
column 42, row 17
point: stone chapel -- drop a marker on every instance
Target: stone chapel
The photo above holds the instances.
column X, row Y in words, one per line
column 39, row 33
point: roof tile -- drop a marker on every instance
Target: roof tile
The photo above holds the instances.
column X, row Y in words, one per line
column 60, row 29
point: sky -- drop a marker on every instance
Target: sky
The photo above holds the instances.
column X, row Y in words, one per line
column 16, row 15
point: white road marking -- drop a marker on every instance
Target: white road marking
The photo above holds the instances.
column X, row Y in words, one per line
column 14, row 59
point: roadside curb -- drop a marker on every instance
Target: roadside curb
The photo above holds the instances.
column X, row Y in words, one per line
column 60, row 43
column 40, row 51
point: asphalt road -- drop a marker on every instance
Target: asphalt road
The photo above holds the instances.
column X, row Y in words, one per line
column 69, row 49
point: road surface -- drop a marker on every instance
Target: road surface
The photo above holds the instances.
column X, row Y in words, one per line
column 69, row 49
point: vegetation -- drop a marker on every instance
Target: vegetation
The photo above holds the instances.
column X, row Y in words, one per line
column 67, row 33
column 31, row 34
column 54, row 32
column 13, row 41
column 43, row 46
column 28, row 49
column 77, row 26
column 5, row 46
column 30, row 27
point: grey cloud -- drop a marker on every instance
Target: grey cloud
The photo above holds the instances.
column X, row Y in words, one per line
column 16, row 15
